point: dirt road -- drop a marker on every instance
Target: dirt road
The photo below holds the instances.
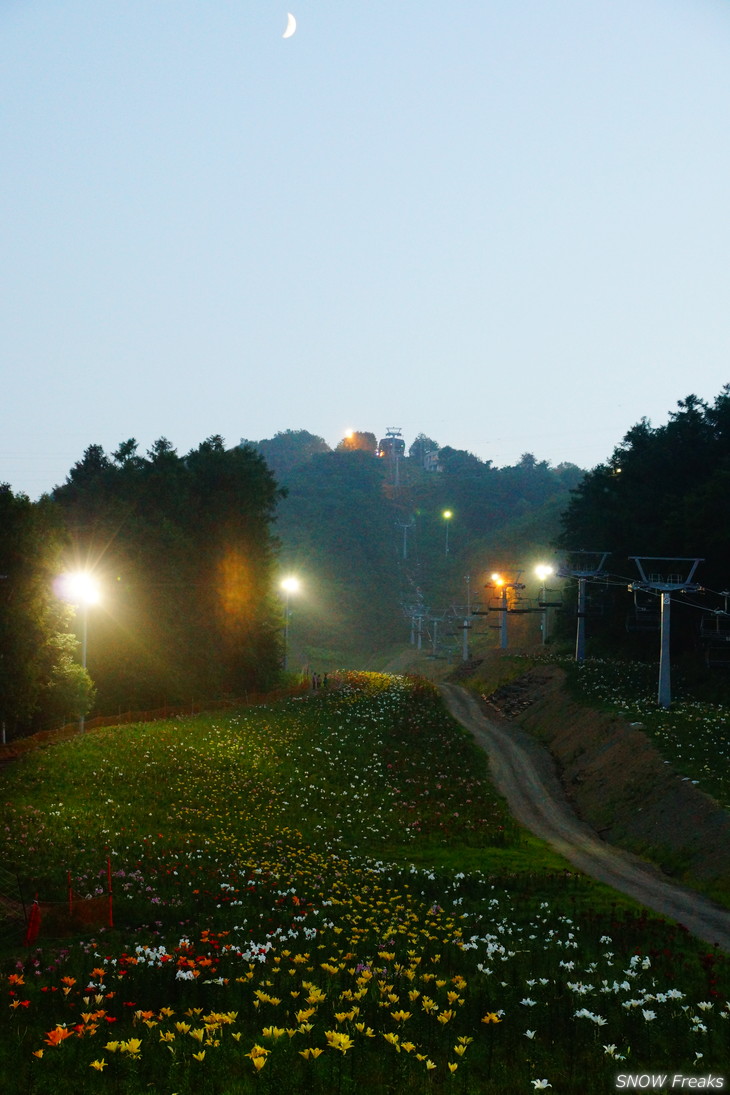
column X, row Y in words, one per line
column 524, row 773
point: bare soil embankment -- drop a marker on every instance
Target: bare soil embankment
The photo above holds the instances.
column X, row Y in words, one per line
column 525, row 773
column 616, row 780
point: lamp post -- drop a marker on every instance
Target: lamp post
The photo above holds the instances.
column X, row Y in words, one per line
column 501, row 587
column 289, row 585
column 543, row 573
column 447, row 515
column 467, row 622
column 81, row 589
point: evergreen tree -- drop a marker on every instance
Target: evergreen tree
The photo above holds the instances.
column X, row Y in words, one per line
column 663, row 493
column 38, row 674
column 185, row 550
column 287, row 449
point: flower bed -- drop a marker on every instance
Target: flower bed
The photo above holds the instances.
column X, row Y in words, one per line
column 276, row 928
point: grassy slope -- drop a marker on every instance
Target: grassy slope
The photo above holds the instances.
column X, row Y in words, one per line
column 328, row 895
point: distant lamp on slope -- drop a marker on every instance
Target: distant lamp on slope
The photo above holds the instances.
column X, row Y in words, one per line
column 447, row 515
column 289, row 585
column 81, row 589
column 543, row 572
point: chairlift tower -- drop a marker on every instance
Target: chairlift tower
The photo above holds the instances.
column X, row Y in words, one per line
column 405, row 525
column 583, row 565
column 417, row 613
column 463, row 613
column 435, row 621
column 393, row 447
column 671, row 575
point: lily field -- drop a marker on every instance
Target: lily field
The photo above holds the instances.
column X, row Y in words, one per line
column 322, row 895
column 692, row 735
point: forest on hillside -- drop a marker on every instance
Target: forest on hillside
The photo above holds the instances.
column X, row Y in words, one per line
column 657, row 509
column 191, row 550
column 178, row 550
column 368, row 536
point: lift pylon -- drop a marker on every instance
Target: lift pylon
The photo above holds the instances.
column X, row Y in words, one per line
column 503, row 587
column 665, row 575
column 583, row 565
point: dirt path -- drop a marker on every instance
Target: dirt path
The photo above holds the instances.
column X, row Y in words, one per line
column 524, row 773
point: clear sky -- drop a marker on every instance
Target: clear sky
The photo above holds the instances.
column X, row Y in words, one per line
column 503, row 223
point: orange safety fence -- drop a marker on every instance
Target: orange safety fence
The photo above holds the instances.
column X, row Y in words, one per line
column 58, row 918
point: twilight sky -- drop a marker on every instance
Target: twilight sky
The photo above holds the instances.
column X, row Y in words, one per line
column 503, row 223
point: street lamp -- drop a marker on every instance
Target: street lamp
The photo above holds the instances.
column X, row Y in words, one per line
column 543, row 572
column 289, row 585
column 447, row 515
column 81, row 589
column 500, row 586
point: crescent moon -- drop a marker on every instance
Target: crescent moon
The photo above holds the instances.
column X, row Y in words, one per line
column 291, row 25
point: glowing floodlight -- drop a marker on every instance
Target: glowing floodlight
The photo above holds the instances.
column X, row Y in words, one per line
column 543, row 572
column 447, row 515
column 80, row 588
column 290, row 585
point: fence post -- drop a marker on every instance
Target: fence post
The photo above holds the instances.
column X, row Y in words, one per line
column 109, row 889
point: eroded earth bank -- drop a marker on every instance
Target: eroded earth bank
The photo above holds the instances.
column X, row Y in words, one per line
column 598, row 790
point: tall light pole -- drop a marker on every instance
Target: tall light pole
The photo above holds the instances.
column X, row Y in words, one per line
column 81, row 589
column 543, row 572
column 501, row 587
column 447, row 515
column 467, row 621
column 289, row 585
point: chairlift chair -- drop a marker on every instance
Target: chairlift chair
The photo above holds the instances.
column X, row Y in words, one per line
column 553, row 599
column 715, row 637
column 646, row 613
column 520, row 606
column 715, row 627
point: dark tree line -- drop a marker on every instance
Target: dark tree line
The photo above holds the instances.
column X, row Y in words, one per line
column 664, row 492
column 183, row 551
column 39, row 671
column 371, row 535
